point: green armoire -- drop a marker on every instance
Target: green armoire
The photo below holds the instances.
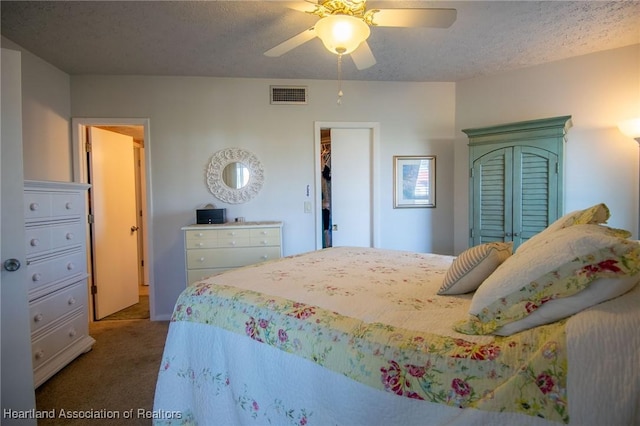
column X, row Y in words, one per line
column 516, row 186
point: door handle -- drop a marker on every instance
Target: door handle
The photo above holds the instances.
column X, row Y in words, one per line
column 134, row 229
column 12, row 265
column 334, row 228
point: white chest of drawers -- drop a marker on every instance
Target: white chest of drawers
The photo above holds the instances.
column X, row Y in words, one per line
column 55, row 230
column 211, row 249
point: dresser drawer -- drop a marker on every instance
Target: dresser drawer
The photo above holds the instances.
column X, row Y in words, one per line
column 56, row 268
column 205, row 234
column 265, row 237
column 37, row 205
column 194, row 275
column 198, row 244
column 67, row 204
column 42, row 239
column 57, row 304
column 222, row 232
column 49, row 344
column 265, row 232
column 232, row 232
column 265, row 241
column 229, row 258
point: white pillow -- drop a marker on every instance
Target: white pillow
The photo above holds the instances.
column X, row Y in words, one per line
column 598, row 291
column 597, row 214
column 563, row 264
column 473, row 266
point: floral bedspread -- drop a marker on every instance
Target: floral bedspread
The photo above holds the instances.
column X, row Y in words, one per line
column 373, row 316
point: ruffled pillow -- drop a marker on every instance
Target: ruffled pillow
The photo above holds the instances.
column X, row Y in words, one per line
column 473, row 266
column 597, row 214
column 562, row 264
column 599, row 291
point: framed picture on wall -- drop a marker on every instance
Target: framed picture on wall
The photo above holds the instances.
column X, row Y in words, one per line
column 414, row 181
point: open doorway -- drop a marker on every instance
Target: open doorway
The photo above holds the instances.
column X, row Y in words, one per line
column 325, row 167
column 347, row 175
column 108, row 301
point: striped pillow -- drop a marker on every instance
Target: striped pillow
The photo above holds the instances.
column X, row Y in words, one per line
column 473, row 266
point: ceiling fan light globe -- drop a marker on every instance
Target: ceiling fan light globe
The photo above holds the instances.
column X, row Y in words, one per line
column 342, row 34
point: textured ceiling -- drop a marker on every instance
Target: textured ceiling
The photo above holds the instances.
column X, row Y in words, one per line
column 228, row 38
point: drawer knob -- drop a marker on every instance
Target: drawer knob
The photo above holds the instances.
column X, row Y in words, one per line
column 39, row 354
column 232, row 243
column 68, row 206
column 263, row 242
column 69, row 236
column 71, row 301
column 264, row 257
column 37, row 318
column 199, row 234
column 200, row 244
column 72, row 332
column 34, row 206
column 35, row 242
column 264, row 232
column 201, row 259
column 70, row 266
column 36, row 277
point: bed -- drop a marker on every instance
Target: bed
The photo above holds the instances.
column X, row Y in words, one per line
column 547, row 334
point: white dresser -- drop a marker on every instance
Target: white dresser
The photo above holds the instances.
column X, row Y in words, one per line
column 211, row 249
column 55, row 228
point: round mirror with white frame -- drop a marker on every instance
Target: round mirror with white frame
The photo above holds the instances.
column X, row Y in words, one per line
column 234, row 175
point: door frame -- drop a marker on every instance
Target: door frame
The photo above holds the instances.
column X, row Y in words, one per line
column 80, row 174
column 375, row 177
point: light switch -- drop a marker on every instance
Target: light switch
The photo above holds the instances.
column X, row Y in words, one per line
column 307, row 206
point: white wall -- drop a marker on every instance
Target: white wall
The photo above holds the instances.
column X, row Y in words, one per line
column 46, row 108
column 598, row 91
column 193, row 117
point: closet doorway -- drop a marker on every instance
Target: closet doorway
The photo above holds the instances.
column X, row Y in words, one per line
column 346, row 184
column 110, row 299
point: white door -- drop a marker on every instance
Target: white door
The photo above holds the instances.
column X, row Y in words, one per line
column 351, row 183
column 114, row 230
column 17, row 373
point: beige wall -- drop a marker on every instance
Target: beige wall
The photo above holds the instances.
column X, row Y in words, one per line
column 598, row 91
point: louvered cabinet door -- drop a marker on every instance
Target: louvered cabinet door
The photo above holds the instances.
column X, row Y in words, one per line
column 535, row 195
column 491, row 192
column 514, row 193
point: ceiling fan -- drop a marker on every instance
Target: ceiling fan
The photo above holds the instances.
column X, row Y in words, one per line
column 344, row 26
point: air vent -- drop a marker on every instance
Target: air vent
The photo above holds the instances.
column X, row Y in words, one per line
column 288, row 95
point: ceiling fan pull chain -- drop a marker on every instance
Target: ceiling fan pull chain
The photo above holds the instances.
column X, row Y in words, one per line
column 340, row 79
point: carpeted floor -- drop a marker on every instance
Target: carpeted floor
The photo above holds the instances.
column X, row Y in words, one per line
column 118, row 375
column 138, row 311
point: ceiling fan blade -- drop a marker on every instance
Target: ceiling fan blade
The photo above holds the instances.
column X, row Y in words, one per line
column 302, row 5
column 291, row 43
column 435, row 18
column 363, row 56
